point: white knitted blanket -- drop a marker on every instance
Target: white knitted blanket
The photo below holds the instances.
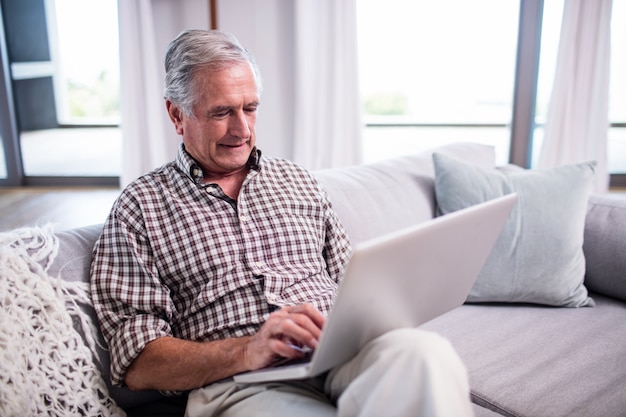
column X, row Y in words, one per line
column 46, row 369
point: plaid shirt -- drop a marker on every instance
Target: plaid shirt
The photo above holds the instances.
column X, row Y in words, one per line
column 177, row 257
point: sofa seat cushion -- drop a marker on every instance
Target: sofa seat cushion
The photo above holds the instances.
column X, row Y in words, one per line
column 480, row 411
column 528, row 360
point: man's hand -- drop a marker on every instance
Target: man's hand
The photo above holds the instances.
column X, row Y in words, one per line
column 174, row 364
column 283, row 334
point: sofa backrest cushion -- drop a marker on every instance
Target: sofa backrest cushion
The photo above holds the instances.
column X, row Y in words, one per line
column 605, row 245
column 378, row 198
column 74, row 258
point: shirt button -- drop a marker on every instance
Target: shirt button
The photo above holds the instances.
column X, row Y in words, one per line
column 259, row 264
column 272, row 297
column 244, row 218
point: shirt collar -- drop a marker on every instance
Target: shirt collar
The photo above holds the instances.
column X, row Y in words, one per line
column 192, row 169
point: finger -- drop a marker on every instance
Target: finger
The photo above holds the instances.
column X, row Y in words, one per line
column 309, row 311
column 304, row 323
column 290, row 349
column 296, row 329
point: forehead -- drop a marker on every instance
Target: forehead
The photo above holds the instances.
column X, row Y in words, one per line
column 232, row 80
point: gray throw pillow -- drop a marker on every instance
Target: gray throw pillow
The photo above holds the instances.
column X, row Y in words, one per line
column 538, row 257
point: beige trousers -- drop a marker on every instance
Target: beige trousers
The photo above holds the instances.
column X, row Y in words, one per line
column 406, row 372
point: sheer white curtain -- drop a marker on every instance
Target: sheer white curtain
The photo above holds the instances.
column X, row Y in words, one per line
column 577, row 123
column 327, row 110
column 146, row 27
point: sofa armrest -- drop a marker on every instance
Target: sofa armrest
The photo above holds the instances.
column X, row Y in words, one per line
column 605, row 245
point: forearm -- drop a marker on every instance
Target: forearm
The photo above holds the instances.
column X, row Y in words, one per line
column 171, row 364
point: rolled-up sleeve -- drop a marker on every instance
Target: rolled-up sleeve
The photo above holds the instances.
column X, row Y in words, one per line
column 132, row 305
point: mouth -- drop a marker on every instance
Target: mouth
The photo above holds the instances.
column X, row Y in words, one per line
column 235, row 145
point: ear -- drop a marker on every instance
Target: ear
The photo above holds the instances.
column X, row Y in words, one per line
column 176, row 116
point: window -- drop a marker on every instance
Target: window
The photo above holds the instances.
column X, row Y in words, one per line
column 63, row 84
column 434, row 72
column 87, row 61
column 85, row 140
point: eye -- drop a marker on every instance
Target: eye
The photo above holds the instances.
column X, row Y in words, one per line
column 251, row 107
column 220, row 114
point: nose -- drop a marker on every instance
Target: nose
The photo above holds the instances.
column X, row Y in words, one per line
column 239, row 125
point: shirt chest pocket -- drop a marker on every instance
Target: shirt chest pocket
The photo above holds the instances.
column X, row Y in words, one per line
column 287, row 237
column 293, row 218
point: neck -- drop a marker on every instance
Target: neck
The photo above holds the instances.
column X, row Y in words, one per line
column 230, row 182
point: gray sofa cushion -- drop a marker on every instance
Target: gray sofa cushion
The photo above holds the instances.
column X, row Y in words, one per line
column 387, row 196
column 538, row 257
column 528, row 360
column 605, row 246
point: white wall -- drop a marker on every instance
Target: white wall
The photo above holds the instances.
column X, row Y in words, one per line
column 174, row 17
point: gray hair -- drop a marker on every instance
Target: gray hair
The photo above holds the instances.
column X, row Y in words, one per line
column 194, row 49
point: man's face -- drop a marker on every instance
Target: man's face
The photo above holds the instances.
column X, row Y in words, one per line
column 221, row 135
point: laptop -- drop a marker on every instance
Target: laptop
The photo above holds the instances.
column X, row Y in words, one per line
column 402, row 279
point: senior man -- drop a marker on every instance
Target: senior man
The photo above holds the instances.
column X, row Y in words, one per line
column 223, row 260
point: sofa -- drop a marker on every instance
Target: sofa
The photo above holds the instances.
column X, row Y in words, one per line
column 543, row 332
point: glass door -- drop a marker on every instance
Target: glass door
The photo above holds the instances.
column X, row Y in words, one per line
column 64, row 74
